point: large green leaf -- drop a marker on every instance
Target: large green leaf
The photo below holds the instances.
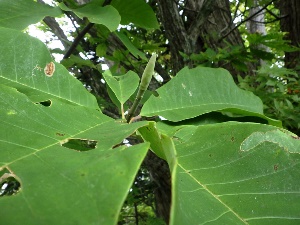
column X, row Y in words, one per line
column 57, row 144
column 19, row 14
column 137, row 12
column 235, row 173
column 194, row 92
column 123, row 86
column 22, row 62
column 96, row 13
column 60, row 184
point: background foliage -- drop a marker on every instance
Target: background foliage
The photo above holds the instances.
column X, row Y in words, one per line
column 218, row 153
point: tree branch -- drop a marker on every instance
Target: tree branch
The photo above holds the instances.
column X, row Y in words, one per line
column 54, row 26
column 77, row 40
column 245, row 20
column 175, row 32
column 202, row 15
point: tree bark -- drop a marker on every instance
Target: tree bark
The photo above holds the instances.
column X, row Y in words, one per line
column 196, row 25
column 257, row 25
column 289, row 10
column 160, row 174
column 219, row 30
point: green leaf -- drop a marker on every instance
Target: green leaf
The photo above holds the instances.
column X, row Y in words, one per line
column 150, row 134
column 101, row 49
column 96, row 13
column 132, row 49
column 276, row 71
column 262, row 54
column 234, row 173
column 114, row 99
column 137, row 12
column 19, row 14
column 23, row 59
column 194, row 92
column 77, row 60
column 59, row 181
column 123, row 86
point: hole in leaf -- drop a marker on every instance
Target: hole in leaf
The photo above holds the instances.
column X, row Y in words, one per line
column 125, row 143
column 118, row 145
column 80, row 144
column 9, row 185
column 46, row 103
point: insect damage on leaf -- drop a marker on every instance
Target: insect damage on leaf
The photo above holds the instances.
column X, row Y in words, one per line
column 280, row 137
column 60, row 134
column 79, row 144
column 9, row 185
column 46, row 103
column 49, row 69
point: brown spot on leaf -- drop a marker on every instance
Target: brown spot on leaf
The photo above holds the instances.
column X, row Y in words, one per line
column 49, row 69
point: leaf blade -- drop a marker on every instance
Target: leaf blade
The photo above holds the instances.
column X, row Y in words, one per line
column 233, row 186
column 123, row 86
column 137, row 12
column 23, row 61
column 25, row 13
column 71, row 183
column 96, row 13
column 197, row 91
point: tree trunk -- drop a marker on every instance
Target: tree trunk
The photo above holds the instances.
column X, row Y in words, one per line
column 196, row 22
column 289, row 10
column 160, row 174
column 257, row 25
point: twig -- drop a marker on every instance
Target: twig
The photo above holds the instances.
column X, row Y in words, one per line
column 72, row 21
column 136, row 213
column 245, row 20
column 274, row 15
column 110, row 114
column 236, row 10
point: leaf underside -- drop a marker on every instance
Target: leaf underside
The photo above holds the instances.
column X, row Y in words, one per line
column 233, row 186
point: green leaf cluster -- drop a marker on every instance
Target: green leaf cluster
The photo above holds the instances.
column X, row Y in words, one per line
column 278, row 87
